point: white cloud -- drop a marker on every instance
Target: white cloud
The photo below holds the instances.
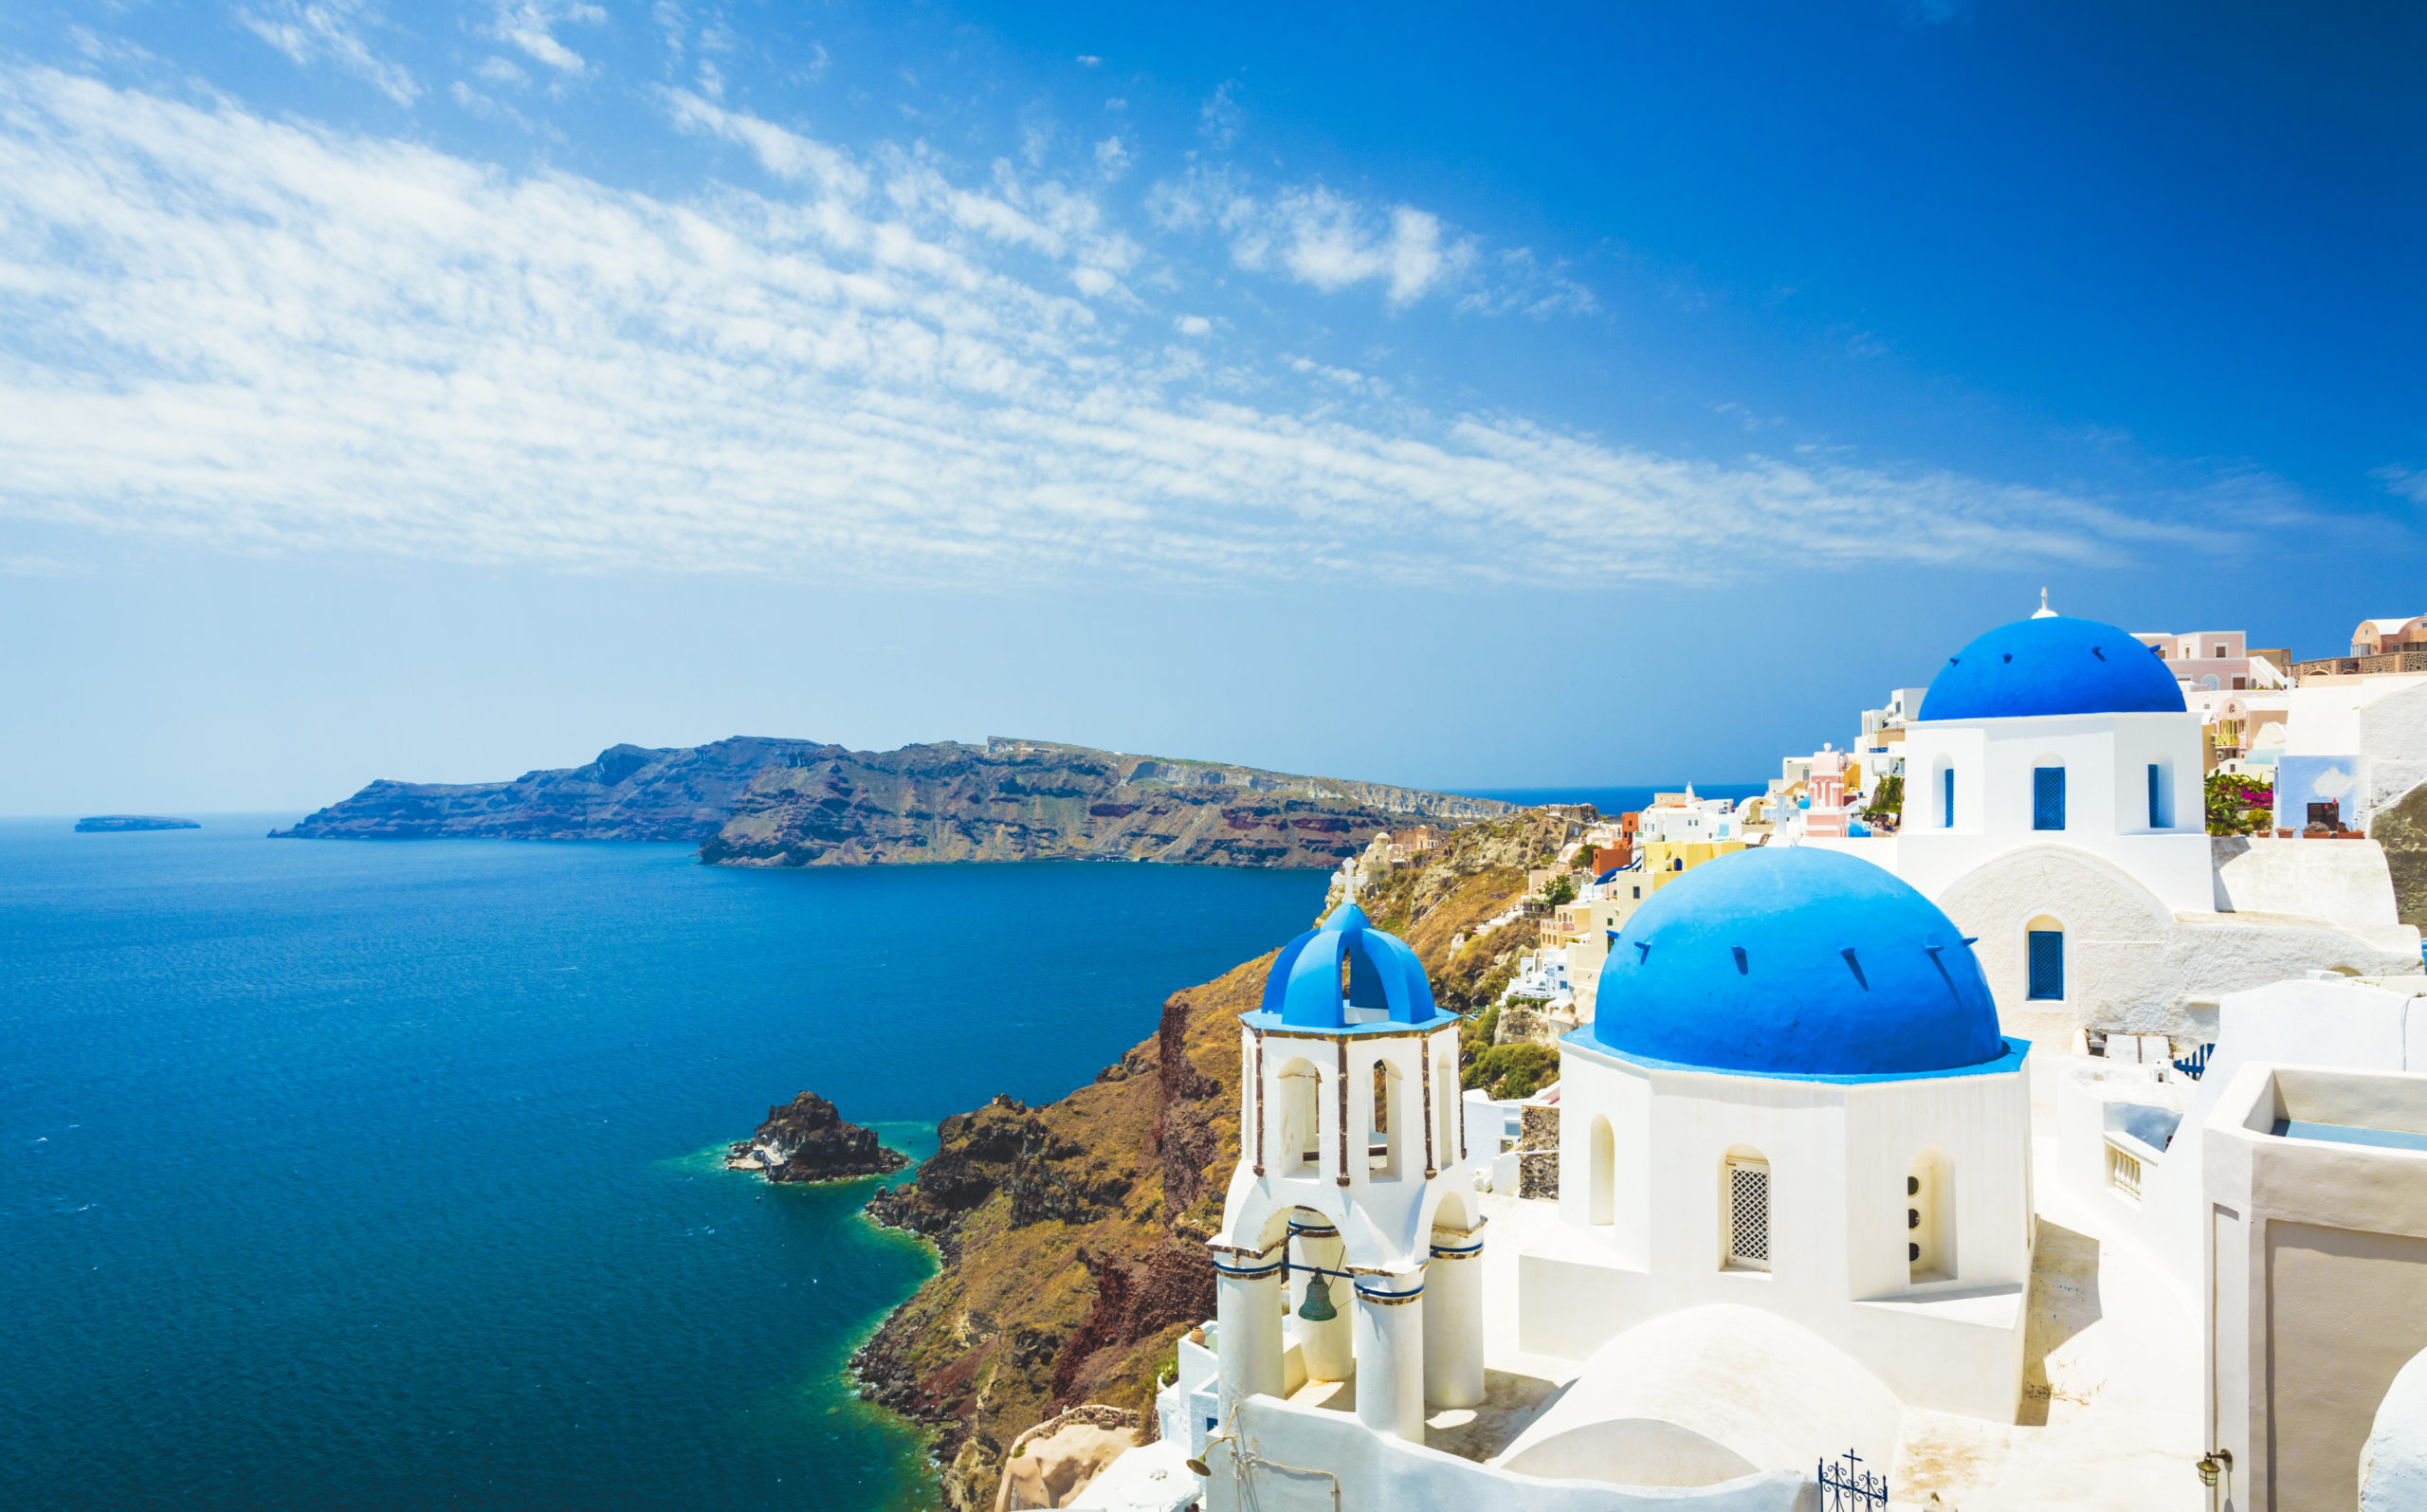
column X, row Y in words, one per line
column 530, row 25
column 1192, row 325
column 307, row 30
column 1088, row 60
column 501, row 71
column 2403, row 482
column 784, row 154
column 1112, row 158
column 1217, row 120
column 1323, row 239
column 249, row 334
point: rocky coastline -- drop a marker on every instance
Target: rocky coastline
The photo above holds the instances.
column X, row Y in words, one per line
column 806, row 1140
column 1070, row 1236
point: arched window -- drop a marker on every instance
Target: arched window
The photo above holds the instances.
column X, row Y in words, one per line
column 1947, row 797
column 1929, row 1217
column 1297, row 1136
column 1382, row 1147
column 1602, row 1182
column 1445, row 1112
column 2047, row 796
column 1745, row 1211
column 2044, row 959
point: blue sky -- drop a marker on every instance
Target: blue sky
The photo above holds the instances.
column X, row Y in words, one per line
column 1448, row 395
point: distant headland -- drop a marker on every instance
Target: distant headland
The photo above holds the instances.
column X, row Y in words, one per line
column 105, row 824
column 753, row 801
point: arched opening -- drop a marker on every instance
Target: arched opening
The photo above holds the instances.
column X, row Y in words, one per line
column 1602, row 1182
column 2161, row 795
column 2044, row 960
column 1390, row 1124
column 1297, row 1138
column 1445, row 1112
column 1946, row 795
column 1929, row 1217
column 2048, row 794
column 1745, row 1210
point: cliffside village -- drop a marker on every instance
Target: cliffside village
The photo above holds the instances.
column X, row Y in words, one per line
column 2023, row 1106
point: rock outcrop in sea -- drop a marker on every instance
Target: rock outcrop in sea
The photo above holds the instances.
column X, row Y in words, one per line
column 109, row 824
column 757, row 802
column 806, row 1140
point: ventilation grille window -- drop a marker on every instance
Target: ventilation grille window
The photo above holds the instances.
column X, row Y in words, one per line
column 1748, row 1214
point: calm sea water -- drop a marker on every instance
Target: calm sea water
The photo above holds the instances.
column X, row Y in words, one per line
column 342, row 1175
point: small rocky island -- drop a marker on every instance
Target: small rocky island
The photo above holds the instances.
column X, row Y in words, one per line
column 107, row 824
column 806, row 1140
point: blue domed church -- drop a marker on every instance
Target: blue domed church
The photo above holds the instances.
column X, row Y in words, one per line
column 1795, row 1098
column 2054, row 807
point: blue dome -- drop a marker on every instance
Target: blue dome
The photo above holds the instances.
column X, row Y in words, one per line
column 1303, row 987
column 2052, row 665
column 1795, row 961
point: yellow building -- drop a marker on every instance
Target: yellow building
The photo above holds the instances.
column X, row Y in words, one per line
column 1665, row 861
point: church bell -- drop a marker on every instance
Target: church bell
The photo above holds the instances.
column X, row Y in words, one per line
column 1318, row 1308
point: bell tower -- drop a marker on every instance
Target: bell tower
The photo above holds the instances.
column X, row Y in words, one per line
column 1350, row 1228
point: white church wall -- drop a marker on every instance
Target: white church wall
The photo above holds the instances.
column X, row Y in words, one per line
column 2131, row 964
column 2105, row 758
column 2345, row 882
column 1611, row 1203
column 1837, row 1158
column 1382, row 1212
column 1370, row 1472
column 1707, row 1394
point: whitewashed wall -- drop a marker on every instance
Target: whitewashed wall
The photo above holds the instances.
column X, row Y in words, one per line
column 1368, row 1473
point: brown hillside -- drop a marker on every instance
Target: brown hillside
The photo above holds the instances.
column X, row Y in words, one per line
column 1072, row 1234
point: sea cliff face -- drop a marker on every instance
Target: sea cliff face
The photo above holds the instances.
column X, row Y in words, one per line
column 1019, row 800
column 1071, row 1234
column 757, row 802
column 630, row 792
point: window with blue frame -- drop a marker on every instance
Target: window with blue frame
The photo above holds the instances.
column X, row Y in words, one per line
column 2157, row 796
column 2046, row 964
column 1946, row 797
column 2047, row 798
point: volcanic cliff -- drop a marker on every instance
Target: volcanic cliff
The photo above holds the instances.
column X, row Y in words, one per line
column 757, row 802
column 1072, row 1234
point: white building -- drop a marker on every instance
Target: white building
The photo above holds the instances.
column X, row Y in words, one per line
column 1795, row 1099
column 1351, row 1195
column 1795, row 1177
column 2054, row 807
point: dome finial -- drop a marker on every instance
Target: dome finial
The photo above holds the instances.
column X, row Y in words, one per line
column 2045, row 612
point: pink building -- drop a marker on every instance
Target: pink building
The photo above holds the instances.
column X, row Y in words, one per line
column 1826, row 791
column 2216, row 661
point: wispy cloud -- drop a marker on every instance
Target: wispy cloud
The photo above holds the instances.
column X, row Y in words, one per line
column 2403, row 482
column 259, row 335
column 311, row 30
column 531, row 25
column 1330, row 241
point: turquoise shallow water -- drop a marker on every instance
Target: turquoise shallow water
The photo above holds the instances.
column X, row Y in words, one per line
column 340, row 1174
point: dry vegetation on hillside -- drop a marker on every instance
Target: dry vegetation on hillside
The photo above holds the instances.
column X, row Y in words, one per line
column 1071, row 1234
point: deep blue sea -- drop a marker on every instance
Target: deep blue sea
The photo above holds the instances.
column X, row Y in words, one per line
column 347, row 1175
